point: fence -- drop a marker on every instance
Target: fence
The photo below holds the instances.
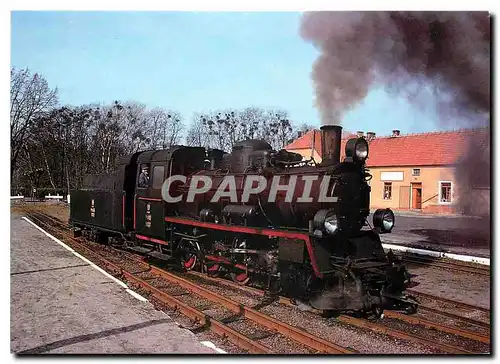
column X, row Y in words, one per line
column 38, row 194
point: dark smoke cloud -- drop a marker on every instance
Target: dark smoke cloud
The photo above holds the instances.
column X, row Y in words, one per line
column 449, row 50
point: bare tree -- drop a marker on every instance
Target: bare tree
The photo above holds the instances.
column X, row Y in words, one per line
column 198, row 134
column 305, row 127
column 279, row 129
column 223, row 128
column 30, row 98
column 252, row 121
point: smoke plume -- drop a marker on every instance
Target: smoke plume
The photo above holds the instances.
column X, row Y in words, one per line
column 448, row 52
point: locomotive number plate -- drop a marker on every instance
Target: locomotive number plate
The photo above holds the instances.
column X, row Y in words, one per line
column 148, row 215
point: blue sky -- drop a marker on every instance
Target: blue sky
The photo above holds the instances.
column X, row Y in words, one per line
column 191, row 62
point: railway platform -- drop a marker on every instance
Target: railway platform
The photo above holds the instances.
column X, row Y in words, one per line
column 422, row 242
column 62, row 304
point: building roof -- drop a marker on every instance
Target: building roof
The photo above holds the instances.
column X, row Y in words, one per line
column 424, row 149
column 306, row 140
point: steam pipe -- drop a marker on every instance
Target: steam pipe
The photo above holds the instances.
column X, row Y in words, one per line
column 331, row 136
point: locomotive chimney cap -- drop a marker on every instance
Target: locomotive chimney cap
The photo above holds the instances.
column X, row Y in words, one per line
column 330, row 127
column 360, row 133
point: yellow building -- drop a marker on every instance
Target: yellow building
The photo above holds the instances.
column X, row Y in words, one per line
column 415, row 171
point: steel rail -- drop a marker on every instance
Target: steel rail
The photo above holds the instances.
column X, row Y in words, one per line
column 215, row 326
column 456, row 317
column 449, row 301
column 434, row 325
column 401, row 335
column 318, row 345
column 300, row 336
column 448, row 265
column 357, row 322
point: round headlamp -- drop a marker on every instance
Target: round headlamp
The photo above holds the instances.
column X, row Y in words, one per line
column 384, row 220
column 326, row 220
column 331, row 224
column 357, row 149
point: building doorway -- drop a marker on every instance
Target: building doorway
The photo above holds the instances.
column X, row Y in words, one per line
column 416, row 196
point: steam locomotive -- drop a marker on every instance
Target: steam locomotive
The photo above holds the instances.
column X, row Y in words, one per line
column 256, row 215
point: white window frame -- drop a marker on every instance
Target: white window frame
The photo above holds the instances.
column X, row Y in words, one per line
column 440, row 195
column 413, row 172
column 383, row 191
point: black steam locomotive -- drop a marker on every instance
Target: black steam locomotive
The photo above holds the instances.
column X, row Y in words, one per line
column 302, row 231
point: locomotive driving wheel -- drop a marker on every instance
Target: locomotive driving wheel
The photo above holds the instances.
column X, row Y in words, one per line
column 241, row 278
column 213, row 270
column 239, row 275
column 189, row 251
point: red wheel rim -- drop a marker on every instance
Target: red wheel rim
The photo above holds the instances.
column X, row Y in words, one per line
column 214, row 268
column 241, row 278
column 190, row 263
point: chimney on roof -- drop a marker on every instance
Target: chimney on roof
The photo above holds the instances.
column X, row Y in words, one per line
column 370, row 135
column 299, row 134
column 395, row 133
column 360, row 134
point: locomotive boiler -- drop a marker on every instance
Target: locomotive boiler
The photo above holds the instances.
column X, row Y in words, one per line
column 258, row 216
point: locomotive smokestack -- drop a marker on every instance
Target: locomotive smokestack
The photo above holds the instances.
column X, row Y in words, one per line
column 331, row 136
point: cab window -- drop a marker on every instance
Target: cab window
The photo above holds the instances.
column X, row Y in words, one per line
column 158, row 174
column 143, row 180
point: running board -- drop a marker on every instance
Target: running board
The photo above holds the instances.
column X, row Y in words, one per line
column 159, row 255
column 139, row 249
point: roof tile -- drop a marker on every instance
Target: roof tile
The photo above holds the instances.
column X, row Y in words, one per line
column 425, row 149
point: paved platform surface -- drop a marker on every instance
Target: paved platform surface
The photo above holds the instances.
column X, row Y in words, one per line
column 458, row 235
column 61, row 304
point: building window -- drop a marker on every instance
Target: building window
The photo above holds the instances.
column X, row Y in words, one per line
column 445, row 192
column 415, row 172
column 387, row 190
column 158, row 172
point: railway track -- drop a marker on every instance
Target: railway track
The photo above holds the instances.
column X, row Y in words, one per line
column 432, row 262
column 220, row 327
column 300, row 336
column 377, row 326
column 449, row 301
column 453, row 306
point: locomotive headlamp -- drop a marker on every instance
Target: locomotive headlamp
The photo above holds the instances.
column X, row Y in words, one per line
column 356, row 149
column 384, row 220
column 331, row 224
column 326, row 220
